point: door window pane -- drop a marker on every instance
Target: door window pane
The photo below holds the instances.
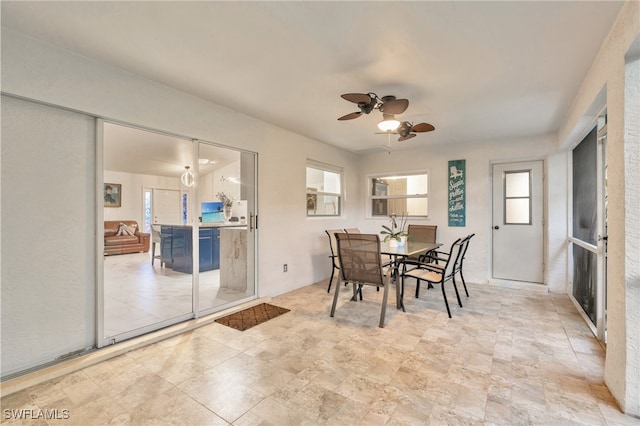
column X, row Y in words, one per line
column 517, row 184
column 517, row 197
column 517, row 211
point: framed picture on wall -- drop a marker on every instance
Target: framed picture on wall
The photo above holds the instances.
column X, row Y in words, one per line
column 112, row 195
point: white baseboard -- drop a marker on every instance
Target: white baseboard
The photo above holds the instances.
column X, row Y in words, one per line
column 521, row 285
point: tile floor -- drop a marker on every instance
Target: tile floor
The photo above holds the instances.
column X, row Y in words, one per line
column 138, row 294
column 509, row 357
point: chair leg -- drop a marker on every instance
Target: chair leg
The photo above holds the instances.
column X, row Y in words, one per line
column 335, row 300
column 417, row 287
column 444, row 296
column 399, row 294
column 464, row 284
column 455, row 287
column 153, row 252
column 331, row 280
column 384, row 303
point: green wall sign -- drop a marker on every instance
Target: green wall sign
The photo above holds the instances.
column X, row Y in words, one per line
column 457, row 193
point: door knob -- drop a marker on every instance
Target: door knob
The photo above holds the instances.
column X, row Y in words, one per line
column 496, row 227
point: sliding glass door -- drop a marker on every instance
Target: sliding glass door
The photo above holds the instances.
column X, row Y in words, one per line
column 589, row 227
column 141, row 290
column 170, row 254
column 225, row 207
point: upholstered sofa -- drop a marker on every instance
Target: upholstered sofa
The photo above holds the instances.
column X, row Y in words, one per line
column 117, row 241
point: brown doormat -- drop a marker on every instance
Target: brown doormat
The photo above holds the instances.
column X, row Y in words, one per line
column 253, row 316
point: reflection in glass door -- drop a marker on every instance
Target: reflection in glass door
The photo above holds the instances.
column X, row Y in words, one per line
column 225, row 207
column 141, row 294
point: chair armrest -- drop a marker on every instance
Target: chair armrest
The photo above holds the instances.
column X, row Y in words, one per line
column 144, row 238
column 436, row 255
column 422, row 265
column 410, row 264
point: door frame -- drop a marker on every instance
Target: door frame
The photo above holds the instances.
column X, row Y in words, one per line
column 543, row 230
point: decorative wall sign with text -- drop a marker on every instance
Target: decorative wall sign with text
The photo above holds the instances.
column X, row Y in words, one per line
column 457, row 196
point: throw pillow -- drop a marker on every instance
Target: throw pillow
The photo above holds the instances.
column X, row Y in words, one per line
column 126, row 230
column 129, row 230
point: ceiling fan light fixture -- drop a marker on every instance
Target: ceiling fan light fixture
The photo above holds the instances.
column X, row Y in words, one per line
column 388, row 125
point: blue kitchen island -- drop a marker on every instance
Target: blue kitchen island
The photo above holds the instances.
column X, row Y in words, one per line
column 176, row 242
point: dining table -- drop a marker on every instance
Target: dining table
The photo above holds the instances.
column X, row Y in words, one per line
column 399, row 252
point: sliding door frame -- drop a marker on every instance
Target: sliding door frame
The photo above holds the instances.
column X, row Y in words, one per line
column 599, row 329
column 192, row 219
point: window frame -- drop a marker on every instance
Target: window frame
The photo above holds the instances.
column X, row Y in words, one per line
column 506, row 198
column 325, row 168
column 388, row 175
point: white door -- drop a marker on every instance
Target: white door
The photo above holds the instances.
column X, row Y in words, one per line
column 167, row 207
column 518, row 222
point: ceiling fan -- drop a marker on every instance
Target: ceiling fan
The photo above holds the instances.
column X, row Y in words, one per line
column 367, row 102
column 389, row 106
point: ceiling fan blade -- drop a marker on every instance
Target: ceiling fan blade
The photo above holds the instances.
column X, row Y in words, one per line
column 422, row 127
column 357, row 98
column 351, row 116
column 404, row 138
column 396, row 106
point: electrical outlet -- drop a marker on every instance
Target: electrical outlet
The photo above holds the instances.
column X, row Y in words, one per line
column 285, row 268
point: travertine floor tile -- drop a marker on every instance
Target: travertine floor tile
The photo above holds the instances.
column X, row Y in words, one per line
column 490, row 364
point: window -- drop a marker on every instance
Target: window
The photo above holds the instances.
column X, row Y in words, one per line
column 517, row 198
column 324, row 190
column 399, row 194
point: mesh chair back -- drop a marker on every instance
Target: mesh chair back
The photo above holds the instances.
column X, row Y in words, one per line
column 421, row 234
column 335, row 262
column 463, row 251
column 333, row 245
column 464, row 248
column 359, row 256
column 455, row 255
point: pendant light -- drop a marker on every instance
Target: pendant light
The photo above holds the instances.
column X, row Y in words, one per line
column 187, row 177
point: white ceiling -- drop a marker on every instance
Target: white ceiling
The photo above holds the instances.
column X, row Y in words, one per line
column 475, row 70
column 138, row 151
